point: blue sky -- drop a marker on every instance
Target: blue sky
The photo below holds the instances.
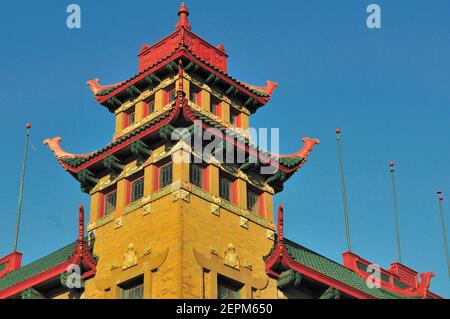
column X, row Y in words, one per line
column 387, row 89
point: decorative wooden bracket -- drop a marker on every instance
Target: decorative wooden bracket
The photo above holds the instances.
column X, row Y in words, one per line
column 331, row 293
column 113, row 164
column 87, row 180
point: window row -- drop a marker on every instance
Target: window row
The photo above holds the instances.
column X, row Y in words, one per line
column 134, row 190
column 149, row 106
column 199, row 177
column 170, row 95
column 215, row 107
column 226, row 288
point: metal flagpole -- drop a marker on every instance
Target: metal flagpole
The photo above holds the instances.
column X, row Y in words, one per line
column 344, row 193
column 397, row 226
column 444, row 231
column 19, row 209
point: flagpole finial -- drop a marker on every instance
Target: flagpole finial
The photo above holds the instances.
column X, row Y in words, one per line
column 22, row 183
column 344, row 192
column 444, row 229
column 396, row 219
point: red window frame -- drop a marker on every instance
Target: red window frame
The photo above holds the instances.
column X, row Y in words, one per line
column 197, row 95
column 127, row 117
column 129, row 187
column 218, row 107
column 167, row 92
column 157, row 174
column 147, row 102
column 102, row 202
column 257, row 210
column 237, row 118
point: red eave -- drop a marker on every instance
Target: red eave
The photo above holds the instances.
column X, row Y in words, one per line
column 280, row 255
column 318, row 276
column 225, row 78
column 33, row 281
column 188, row 113
column 172, row 57
column 182, row 52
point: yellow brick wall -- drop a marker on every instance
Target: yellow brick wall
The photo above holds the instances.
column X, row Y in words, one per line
column 181, row 226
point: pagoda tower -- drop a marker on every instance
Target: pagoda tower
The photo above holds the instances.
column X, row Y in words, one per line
column 181, row 199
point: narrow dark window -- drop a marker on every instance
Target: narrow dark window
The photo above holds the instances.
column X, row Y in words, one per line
column 215, row 106
column 225, row 188
column 110, row 202
column 196, row 175
column 133, row 290
column 252, row 202
column 131, row 118
column 165, row 177
column 172, row 94
column 149, row 106
column 233, row 118
column 137, row 189
column 227, row 289
column 194, row 94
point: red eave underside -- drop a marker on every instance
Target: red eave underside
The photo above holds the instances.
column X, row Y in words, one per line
column 33, row 281
column 320, row 277
column 280, row 253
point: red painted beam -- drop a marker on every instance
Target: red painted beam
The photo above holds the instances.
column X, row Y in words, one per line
column 37, row 279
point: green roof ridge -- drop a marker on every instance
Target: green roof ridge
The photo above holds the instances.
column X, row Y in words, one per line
column 337, row 271
column 36, row 267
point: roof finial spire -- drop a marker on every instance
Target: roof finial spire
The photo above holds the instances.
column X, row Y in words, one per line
column 183, row 21
column 81, row 223
column 180, row 90
column 280, row 224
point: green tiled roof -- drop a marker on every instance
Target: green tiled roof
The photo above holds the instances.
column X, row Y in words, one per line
column 285, row 161
column 54, row 259
column 291, row 162
column 109, row 90
column 255, row 91
column 337, row 271
column 77, row 161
